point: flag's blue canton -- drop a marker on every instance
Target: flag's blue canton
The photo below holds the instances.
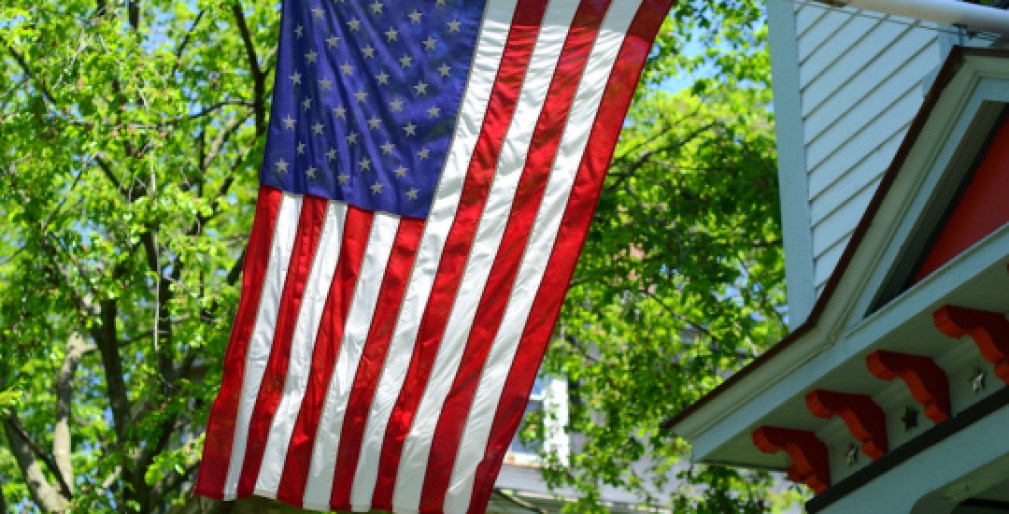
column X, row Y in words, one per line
column 366, row 99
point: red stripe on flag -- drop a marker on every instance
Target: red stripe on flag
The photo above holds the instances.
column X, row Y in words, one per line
column 542, row 152
column 369, row 370
column 313, row 215
column 570, row 239
column 221, row 426
column 514, row 62
column 327, row 347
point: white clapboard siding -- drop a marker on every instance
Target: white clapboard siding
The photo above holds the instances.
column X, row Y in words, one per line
column 856, row 134
column 861, row 81
column 839, row 220
column 845, row 33
column 832, row 199
column 832, row 255
column 807, row 16
column 815, row 25
column 869, row 68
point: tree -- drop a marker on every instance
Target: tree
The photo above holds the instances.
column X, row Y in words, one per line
column 130, row 139
column 681, row 280
column 130, row 136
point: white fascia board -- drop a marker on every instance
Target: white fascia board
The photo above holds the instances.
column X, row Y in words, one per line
column 931, row 293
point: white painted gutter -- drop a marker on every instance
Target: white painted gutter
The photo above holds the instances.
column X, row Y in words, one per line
column 978, row 18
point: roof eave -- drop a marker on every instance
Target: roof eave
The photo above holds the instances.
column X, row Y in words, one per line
column 807, row 340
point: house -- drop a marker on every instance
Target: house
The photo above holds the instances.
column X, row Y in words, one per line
column 889, row 395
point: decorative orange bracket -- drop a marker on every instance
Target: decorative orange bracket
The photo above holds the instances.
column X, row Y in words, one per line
column 924, row 378
column 810, row 461
column 864, row 418
column 989, row 330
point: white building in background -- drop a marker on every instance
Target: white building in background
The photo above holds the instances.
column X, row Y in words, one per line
column 890, row 394
column 520, row 487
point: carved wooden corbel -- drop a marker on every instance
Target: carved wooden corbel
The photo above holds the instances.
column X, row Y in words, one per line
column 924, row 378
column 810, row 461
column 863, row 417
column 989, row 330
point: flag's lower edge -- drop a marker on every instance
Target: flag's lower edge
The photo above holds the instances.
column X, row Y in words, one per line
column 271, row 495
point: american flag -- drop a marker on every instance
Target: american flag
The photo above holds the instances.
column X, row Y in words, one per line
column 430, row 172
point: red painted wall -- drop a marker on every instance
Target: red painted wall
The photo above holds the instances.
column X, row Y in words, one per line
column 983, row 207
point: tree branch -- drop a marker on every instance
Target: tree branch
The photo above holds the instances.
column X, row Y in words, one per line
column 133, row 11
column 62, row 442
column 27, row 453
column 23, row 64
column 236, row 270
column 107, row 340
column 258, row 76
column 107, row 171
column 163, row 322
column 170, row 483
column 185, row 42
column 672, row 313
column 210, row 109
column 646, row 155
column 222, row 138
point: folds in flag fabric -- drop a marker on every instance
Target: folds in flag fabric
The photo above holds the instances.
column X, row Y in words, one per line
column 430, row 172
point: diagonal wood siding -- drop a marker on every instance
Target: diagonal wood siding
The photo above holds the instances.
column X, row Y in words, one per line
column 861, row 80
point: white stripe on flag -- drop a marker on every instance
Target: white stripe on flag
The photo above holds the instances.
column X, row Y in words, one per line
column 541, row 243
column 362, row 308
column 490, row 47
column 303, row 343
column 261, row 342
column 511, row 162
